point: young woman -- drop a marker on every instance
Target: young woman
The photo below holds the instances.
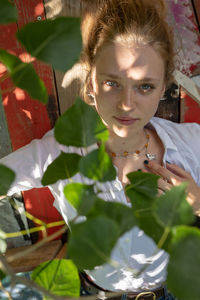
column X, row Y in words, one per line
column 129, row 58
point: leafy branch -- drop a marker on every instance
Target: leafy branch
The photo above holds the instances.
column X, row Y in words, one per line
column 166, row 219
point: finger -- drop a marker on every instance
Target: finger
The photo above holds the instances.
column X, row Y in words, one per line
column 144, row 170
column 178, row 170
column 160, row 192
column 163, row 172
column 164, row 185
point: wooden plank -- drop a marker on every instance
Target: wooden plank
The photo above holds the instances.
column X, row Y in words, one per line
column 196, row 4
column 26, row 118
column 48, row 251
column 169, row 107
column 68, row 84
column 190, row 109
column 5, row 141
column 5, row 144
column 39, row 203
column 32, row 119
column 29, row 12
column 189, row 85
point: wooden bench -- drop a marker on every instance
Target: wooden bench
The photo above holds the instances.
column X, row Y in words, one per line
column 32, row 258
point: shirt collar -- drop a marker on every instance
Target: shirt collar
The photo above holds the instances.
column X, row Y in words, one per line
column 162, row 133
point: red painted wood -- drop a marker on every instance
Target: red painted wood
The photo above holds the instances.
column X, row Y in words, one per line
column 190, row 109
column 26, row 118
column 29, row 11
column 39, row 203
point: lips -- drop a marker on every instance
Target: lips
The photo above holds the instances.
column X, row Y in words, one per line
column 125, row 120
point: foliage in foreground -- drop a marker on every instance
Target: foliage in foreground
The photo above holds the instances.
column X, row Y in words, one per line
column 166, row 219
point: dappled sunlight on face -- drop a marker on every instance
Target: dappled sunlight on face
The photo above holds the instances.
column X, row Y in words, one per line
column 127, row 84
column 119, row 131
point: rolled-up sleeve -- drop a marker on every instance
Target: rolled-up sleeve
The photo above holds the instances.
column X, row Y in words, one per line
column 30, row 162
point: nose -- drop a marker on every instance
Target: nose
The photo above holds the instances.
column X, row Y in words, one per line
column 127, row 101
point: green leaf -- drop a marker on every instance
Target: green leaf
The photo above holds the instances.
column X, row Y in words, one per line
column 80, row 126
column 24, row 76
column 91, row 242
column 142, row 183
column 81, row 196
column 142, row 192
column 59, row 276
column 8, row 12
column 97, row 165
column 118, row 212
column 2, row 275
column 63, row 167
column 3, row 244
column 7, row 176
column 149, row 224
column 183, row 268
column 172, row 209
column 56, row 42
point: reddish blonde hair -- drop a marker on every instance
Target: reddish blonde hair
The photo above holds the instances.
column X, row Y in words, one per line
column 140, row 22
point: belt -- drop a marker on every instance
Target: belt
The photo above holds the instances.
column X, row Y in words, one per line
column 91, row 288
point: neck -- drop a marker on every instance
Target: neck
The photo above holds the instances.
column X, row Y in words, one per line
column 119, row 144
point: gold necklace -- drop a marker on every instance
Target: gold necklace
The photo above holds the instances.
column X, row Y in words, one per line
column 135, row 154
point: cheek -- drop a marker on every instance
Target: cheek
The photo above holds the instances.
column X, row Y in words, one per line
column 106, row 95
column 149, row 104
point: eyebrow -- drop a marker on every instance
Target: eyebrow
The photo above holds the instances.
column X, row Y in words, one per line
column 146, row 79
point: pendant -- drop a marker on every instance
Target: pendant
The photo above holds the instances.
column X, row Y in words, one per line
column 151, row 156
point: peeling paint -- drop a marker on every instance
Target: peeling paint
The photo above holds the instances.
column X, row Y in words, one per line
column 187, row 38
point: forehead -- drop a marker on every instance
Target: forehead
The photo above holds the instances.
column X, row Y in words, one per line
column 130, row 61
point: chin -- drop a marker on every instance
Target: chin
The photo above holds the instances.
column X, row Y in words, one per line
column 121, row 132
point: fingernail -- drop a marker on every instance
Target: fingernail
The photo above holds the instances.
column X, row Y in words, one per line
column 139, row 170
column 146, row 162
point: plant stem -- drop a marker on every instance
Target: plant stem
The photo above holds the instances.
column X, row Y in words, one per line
column 37, row 245
column 4, row 77
column 163, row 237
column 5, row 291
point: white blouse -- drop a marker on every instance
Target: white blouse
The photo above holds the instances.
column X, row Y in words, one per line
column 134, row 249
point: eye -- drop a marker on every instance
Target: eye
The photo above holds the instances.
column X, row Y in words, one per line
column 146, row 87
column 111, row 83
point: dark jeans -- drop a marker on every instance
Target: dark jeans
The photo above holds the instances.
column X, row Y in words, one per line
column 168, row 296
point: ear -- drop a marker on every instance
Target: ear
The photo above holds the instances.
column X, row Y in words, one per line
column 163, row 91
column 91, row 95
column 91, row 88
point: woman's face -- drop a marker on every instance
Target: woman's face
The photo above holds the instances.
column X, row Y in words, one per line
column 127, row 84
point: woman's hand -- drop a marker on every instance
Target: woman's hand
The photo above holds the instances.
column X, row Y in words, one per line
column 174, row 175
